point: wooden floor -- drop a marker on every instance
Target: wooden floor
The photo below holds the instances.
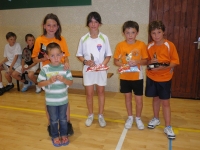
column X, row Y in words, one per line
column 23, row 124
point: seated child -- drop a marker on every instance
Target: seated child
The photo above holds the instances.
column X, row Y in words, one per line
column 12, row 59
column 27, row 65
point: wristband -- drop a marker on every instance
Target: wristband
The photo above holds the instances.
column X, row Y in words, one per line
column 84, row 62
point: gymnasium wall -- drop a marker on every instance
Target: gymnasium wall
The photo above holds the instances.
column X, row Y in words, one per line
column 113, row 12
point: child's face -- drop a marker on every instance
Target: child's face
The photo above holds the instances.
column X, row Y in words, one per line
column 157, row 35
column 130, row 35
column 51, row 27
column 30, row 41
column 55, row 56
column 94, row 25
column 11, row 40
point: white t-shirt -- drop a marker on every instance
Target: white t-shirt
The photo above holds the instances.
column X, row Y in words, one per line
column 99, row 48
column 10, row 52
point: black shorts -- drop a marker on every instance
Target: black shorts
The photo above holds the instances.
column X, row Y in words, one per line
column 127, row 86
column 160, row 89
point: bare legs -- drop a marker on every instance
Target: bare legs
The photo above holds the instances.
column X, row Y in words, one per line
column 165, row 108
column 139, row 104
column 89, row 98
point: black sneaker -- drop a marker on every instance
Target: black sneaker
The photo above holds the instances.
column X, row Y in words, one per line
column 9, row 87
column 2, row 90
column 70, row 130
column 49, row 130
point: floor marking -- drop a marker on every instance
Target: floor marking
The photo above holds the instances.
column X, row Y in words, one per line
column 121, row 140
column 176, row 130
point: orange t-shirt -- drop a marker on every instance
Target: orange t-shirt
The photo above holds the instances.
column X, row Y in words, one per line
column 166, row 53
column 45, row 41
column 138, row 50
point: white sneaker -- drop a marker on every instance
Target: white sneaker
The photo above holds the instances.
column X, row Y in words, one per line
column 129, row 123
column 37, row 89
column 153, row 123
column 102, row 122
column 26, row 86
column 169, row 132
column 89, row 120
column 140, row 124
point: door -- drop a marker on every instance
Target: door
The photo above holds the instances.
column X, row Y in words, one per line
column 182, row 21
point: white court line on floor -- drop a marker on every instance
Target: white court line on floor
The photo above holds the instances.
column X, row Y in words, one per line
column 121, row 140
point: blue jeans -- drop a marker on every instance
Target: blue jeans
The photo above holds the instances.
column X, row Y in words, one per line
column 58, row 114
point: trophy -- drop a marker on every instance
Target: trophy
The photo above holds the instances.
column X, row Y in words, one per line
column 126, row 67
column 128, row 57
column 156, row 65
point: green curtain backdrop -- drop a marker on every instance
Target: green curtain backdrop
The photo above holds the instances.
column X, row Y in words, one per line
column 17, row 4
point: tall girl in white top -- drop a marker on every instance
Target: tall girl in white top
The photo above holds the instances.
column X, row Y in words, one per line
column 94, row 49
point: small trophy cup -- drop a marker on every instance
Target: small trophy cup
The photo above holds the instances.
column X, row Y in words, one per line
column 156, row 65
column 128, row 57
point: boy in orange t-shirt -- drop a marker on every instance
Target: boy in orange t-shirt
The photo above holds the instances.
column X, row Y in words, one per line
column 131, row 81
column 158, row 83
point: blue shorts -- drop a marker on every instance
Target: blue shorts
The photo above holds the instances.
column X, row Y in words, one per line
column 127, row 86
column 160, row 89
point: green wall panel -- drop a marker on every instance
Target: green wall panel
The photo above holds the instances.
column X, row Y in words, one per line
column 17, row 4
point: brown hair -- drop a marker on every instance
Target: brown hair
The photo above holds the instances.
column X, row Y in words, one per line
column 156, row 25
column 55, row 18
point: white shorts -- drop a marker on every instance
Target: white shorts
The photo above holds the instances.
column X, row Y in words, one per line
column 5, row 67
column 97, row 77
column 34, row 68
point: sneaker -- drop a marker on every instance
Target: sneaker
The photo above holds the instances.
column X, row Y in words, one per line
column 102, row 122
column 38, row 89
column 49, row 130
column 89, row 120
column 129, row 123
column 140, row 124
column 9, row 87
column 26, row 86
column 169, row 132
column 2, row 90
column 153, row 123
column 70, row 130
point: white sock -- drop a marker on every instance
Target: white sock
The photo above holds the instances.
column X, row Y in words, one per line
column 91, row 115
column 1, row 85
column 137, row 118
column 100, row 115
column 130, row 117
column 9, row 83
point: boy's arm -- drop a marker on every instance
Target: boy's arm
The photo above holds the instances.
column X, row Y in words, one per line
column 47, row 82
column 64, row 80
column 3, row 61
column 143, row 62
column 30, row 66
column 117, row 62
column 23, row 63
column 14, row 61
